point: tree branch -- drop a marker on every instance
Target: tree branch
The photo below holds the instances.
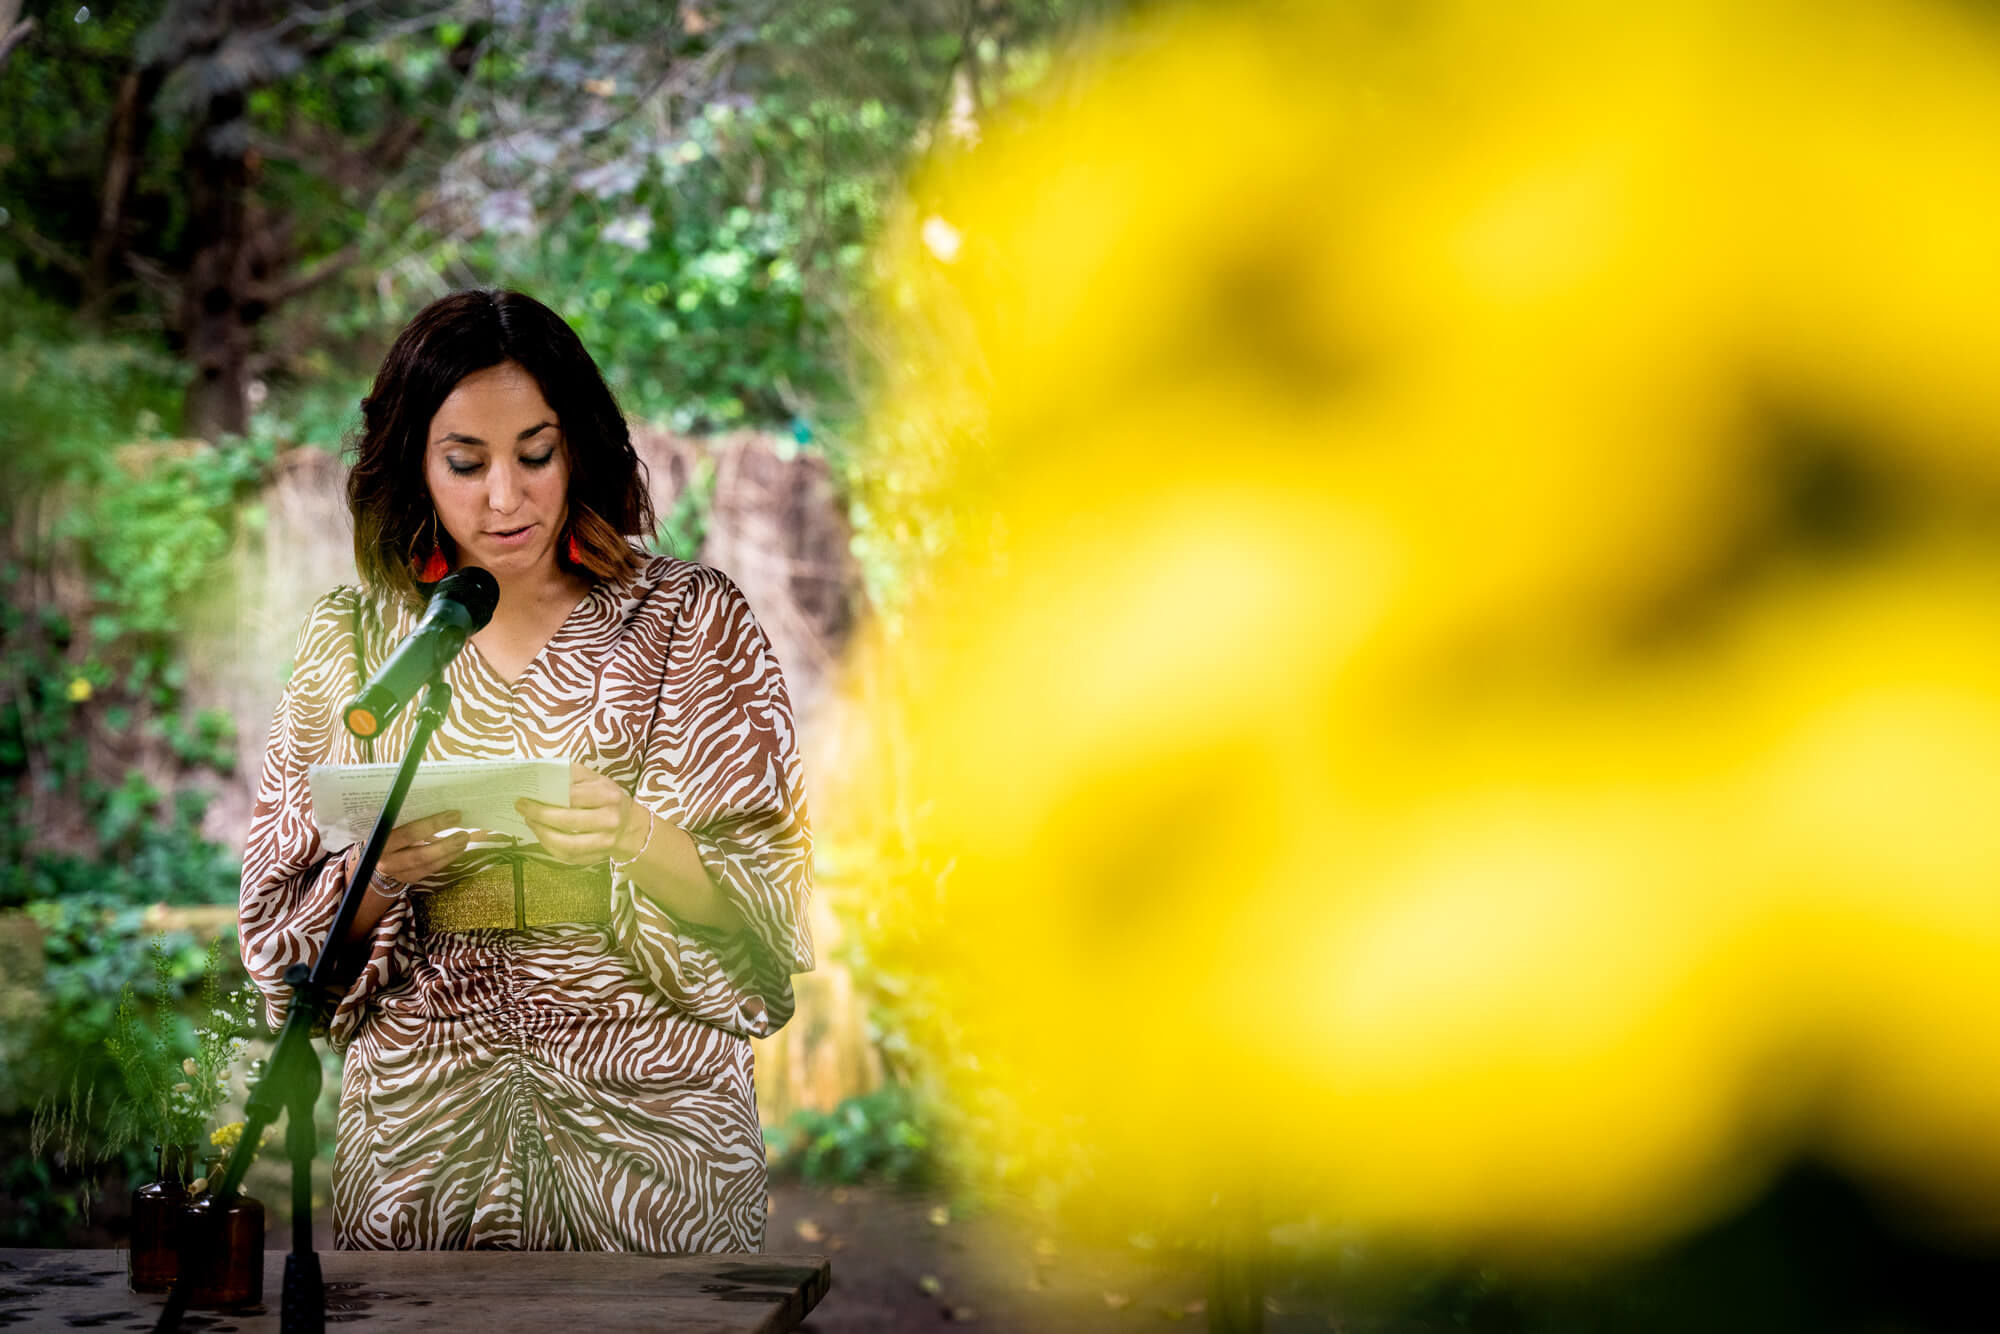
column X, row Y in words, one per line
column 131, row 125
column 328, row 268
column 14, row 35
column 154, row 274
column 417, row 23
column 677, row 79
column 46, row 250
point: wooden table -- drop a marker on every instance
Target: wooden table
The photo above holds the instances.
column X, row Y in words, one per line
column 490, row 1292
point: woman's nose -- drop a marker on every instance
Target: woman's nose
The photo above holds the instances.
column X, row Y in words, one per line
column 503, row 488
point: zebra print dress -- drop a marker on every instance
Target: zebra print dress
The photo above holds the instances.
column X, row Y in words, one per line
column 567, row 1087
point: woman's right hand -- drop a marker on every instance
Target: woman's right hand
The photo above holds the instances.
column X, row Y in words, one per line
column 415, row 853
column 412, row 854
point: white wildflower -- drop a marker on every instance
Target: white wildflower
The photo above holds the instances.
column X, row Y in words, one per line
column 507, row 213
column 634, row 231
column 612, row 180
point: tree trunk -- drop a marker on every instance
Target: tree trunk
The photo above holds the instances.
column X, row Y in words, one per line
column 131, row 127
column 232, row 279
column 215, row 293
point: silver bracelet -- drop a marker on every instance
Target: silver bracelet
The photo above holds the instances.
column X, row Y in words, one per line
column 383, row 885
column 388, row 888
column 617, row 865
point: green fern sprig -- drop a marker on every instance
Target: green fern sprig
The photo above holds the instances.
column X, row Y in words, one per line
column 170, row 1096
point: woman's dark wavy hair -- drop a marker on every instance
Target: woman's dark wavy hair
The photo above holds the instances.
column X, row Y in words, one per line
column 447, row 341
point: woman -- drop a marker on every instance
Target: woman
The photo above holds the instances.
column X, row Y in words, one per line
column 545, row 1048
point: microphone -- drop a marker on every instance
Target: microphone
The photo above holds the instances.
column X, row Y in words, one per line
column 460, row 606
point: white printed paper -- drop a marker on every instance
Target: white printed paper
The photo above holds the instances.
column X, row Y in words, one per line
column 347, row 798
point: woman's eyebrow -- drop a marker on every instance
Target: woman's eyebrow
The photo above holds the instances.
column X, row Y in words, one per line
column 460, row 438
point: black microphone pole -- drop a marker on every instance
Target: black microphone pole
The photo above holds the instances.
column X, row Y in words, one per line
column 291, row 1080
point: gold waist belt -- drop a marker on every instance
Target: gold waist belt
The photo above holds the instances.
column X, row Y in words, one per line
column 514, row 894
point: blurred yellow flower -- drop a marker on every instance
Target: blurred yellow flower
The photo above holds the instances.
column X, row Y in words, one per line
column 79, row 689
column 227, row 1136
column 1464, row 682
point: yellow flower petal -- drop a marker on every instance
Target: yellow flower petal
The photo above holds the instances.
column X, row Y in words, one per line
column 1463, row 602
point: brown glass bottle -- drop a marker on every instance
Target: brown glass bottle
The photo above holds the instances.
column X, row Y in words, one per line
column 225, row 1252
column 156, row 1220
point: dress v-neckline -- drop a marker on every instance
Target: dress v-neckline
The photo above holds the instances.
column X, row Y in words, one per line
column 569, row 618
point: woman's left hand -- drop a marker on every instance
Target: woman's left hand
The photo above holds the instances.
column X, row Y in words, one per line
column 592, row 827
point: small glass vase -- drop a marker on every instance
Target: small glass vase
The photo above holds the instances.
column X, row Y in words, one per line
column 156, row 1219
column 225, row 1252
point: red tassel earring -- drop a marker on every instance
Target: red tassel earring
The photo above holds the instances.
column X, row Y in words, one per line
column 575, row 551
column 435, row 567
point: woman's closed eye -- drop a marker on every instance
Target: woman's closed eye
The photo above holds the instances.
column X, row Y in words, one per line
column 465, row 467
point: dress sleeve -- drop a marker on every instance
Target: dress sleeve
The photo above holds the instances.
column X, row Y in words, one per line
column 292, row 883
column 722, row 763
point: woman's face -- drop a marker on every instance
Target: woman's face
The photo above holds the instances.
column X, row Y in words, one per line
column 498, row 472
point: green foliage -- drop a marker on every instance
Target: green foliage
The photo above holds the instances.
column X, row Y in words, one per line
column 101, row 950
column 115, row 532
column 702, row 245
column 873, row 1137
column 691, row 268
column 144, row 521
column 55, row 101
column 682, row 528
column 696, row 189
column 173, row 1080
column 150, row 851
column 698, row 203
column 154, row 520
column 47, row 1187
column 176, row 1002
column 323, row 411
column 71, row 399
column 94, row 917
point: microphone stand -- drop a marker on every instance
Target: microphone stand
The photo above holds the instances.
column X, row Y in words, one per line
column 291, row 1080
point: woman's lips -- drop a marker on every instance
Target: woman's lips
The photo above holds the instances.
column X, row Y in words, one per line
column 514, row 538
